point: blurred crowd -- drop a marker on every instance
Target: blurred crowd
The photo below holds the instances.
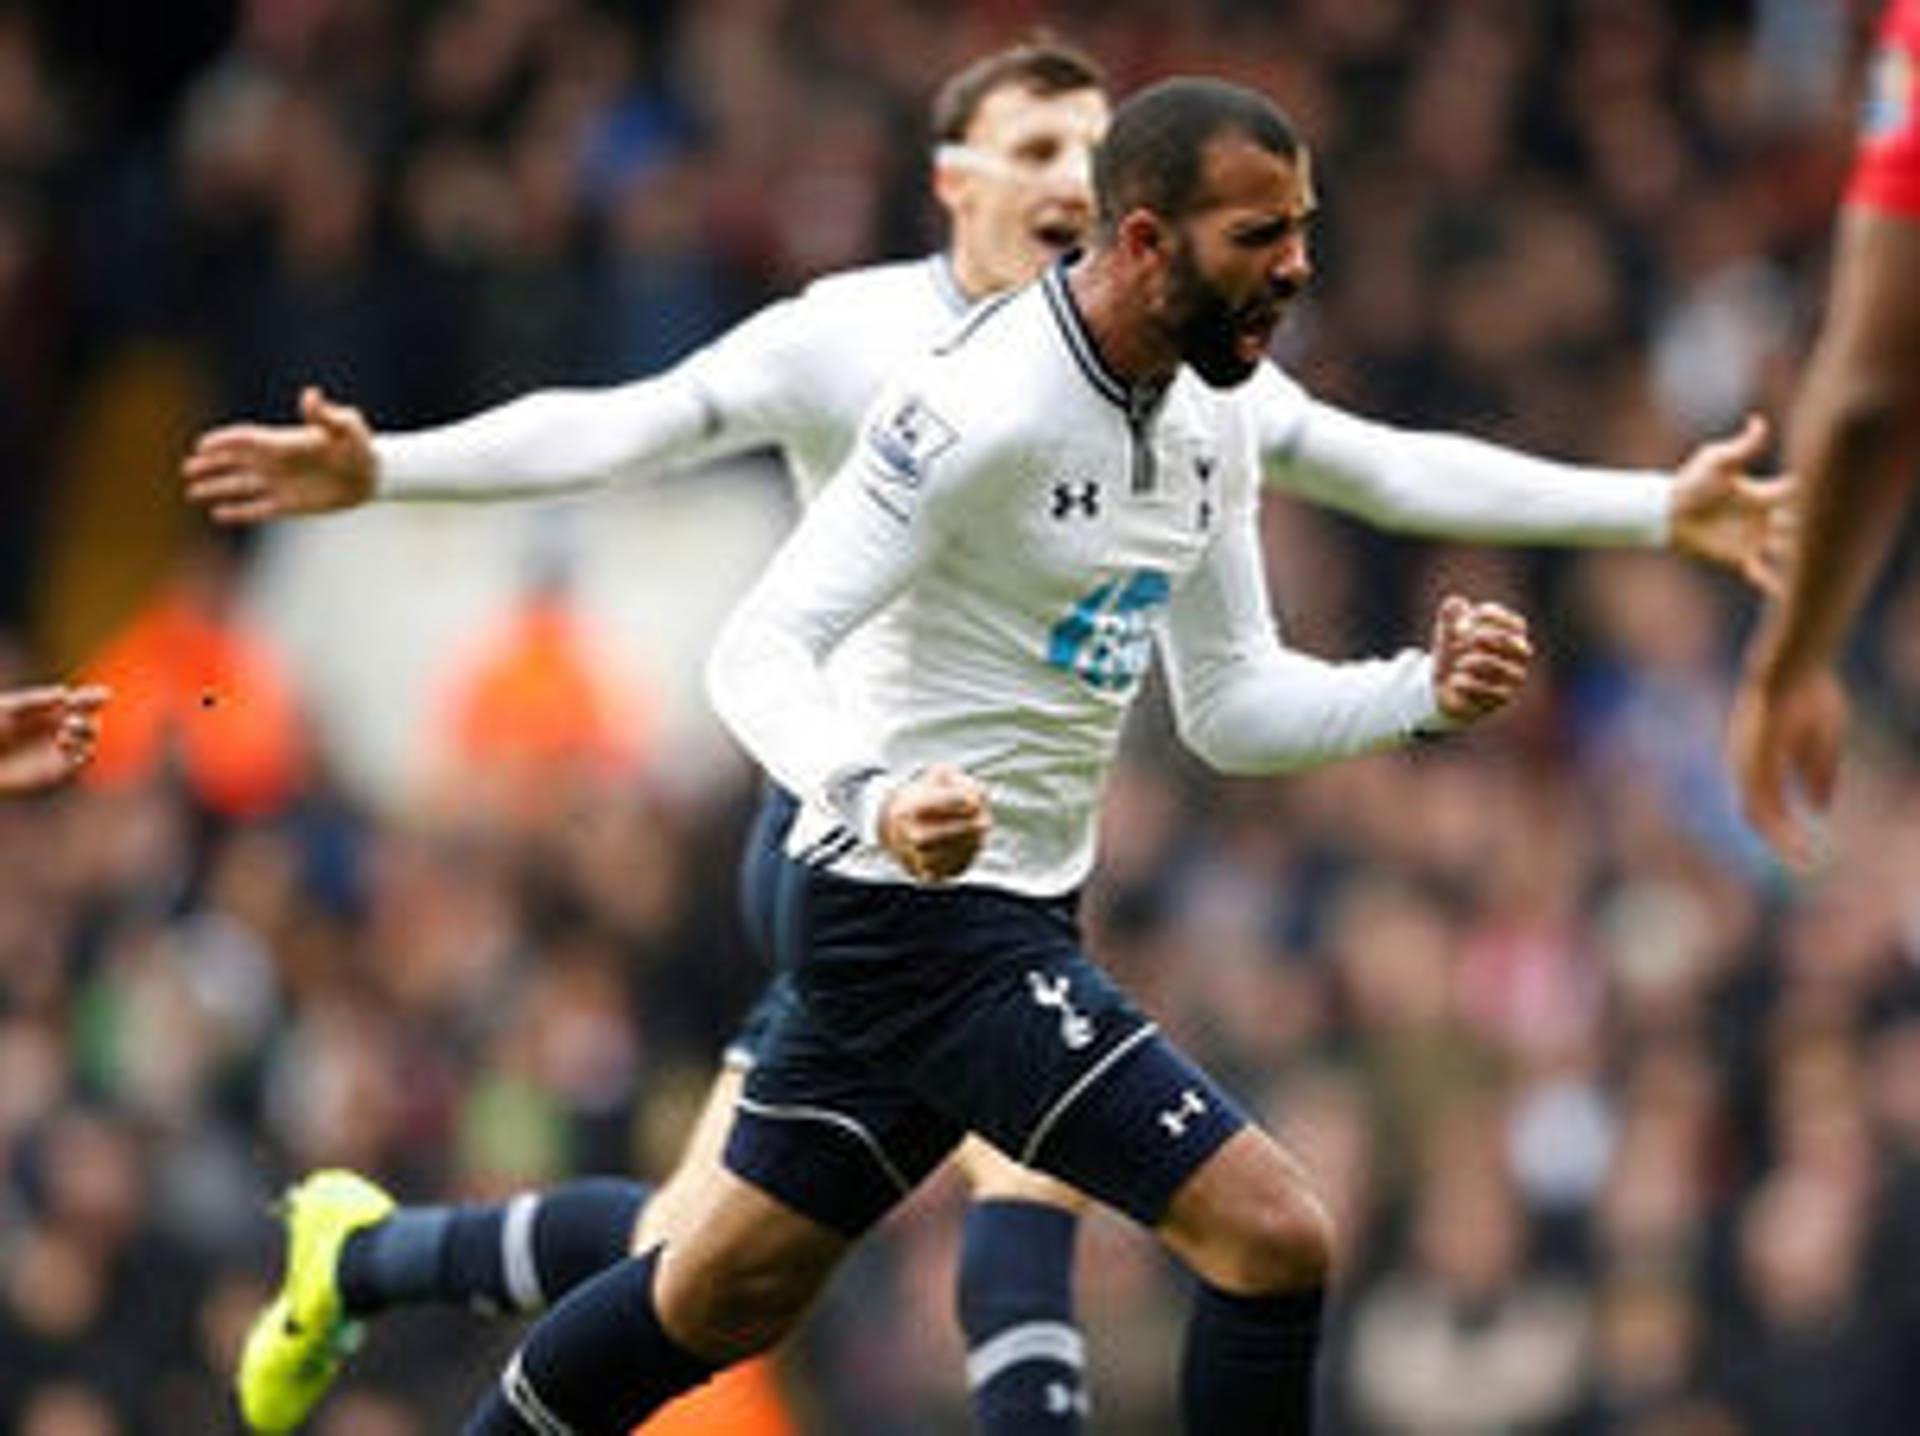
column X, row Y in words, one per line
column 1621, row 1125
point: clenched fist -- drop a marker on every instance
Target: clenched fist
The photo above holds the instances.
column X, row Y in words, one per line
column 935, row 823
column 1480, row 658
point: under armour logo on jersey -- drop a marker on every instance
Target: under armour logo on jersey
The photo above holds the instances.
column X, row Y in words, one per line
column 1175, row 1119
column 1083, row 498
column 1076, row 1028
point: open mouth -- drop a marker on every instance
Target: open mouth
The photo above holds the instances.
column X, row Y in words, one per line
column 1254, row 333
column 1059, row 235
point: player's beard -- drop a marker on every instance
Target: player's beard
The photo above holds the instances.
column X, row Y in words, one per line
column 1205, row 326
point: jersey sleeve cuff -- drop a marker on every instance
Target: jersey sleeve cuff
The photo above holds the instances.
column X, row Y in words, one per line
column 1430, row 720
column 858, row 796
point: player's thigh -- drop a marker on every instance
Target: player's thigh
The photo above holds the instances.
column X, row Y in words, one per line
column 684, row 1194
column 828, row 1132
column 735, row 1281
column 992, row 1176
column 679, row 1198
column 1248, row 1221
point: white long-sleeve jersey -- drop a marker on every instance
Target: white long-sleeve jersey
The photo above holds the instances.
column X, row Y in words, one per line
column 989, row 572
column 800, row 374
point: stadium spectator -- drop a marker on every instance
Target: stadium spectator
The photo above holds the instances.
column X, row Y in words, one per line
column 542, row 704
column 201, row 687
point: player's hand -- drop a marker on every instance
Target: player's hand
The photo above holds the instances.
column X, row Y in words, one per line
column 248, row 473
column 1722, row 514
column 1783, row 740
column 935, row 822
column 1480, row 658
column 47, row 736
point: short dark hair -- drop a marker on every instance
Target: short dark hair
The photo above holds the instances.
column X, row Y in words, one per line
column 1043, row 66
column 1154, row 150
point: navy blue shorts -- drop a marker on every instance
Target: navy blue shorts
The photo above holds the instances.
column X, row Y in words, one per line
column 924, row 1013
column 748, row 1044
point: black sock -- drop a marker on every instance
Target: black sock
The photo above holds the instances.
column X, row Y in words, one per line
column 598, row 1364
column 1248, row 1365
column 519, row 1255
column 1025, row 1357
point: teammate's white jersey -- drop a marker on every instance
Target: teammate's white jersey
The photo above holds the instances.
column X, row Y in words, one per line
column 1015, row 531
column 799, row 374
column 795, row 376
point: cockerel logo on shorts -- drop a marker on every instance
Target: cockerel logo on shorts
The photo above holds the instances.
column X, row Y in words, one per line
column 1076, row 1028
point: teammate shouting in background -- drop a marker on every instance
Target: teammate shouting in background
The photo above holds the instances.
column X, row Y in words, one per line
column 1014, row 132
column 1856, row 449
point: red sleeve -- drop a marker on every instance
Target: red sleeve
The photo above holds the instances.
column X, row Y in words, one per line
column 1886, row 170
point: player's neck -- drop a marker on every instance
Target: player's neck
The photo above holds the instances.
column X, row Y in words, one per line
column 969, row 277
column 1129, row 343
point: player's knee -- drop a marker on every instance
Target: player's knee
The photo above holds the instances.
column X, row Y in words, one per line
column 1284, row 1242
column 746, row 1305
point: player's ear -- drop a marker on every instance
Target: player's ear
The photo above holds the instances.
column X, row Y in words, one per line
column 949, row 183
column 1142, row 234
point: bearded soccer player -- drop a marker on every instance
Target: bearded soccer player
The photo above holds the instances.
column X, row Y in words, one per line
column 1856, row 449
column 1013, row 137
column 986, row 640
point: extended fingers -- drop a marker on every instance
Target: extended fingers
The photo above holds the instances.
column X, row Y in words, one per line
column 337, row 421
column 228, row 462
column 229, row 440
column 88, row 698
column 247, row 511
column 1742, row 448
column 221, row 485
column 26, row 707
column 78, row 734
column 1763, row 802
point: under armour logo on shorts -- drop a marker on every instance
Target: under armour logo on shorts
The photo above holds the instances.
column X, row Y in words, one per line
column 1175, row 1119
column 1064, row 1400
column 1076, row 1029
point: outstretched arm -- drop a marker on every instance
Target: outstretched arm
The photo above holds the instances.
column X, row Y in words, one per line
column 1712, row 508
column 553, row 442
column 1247, row 704
column 743, row 390
column 1856, row 447
column 46, row 736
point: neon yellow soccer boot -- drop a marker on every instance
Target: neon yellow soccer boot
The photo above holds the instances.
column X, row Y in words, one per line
column 297, row 1345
